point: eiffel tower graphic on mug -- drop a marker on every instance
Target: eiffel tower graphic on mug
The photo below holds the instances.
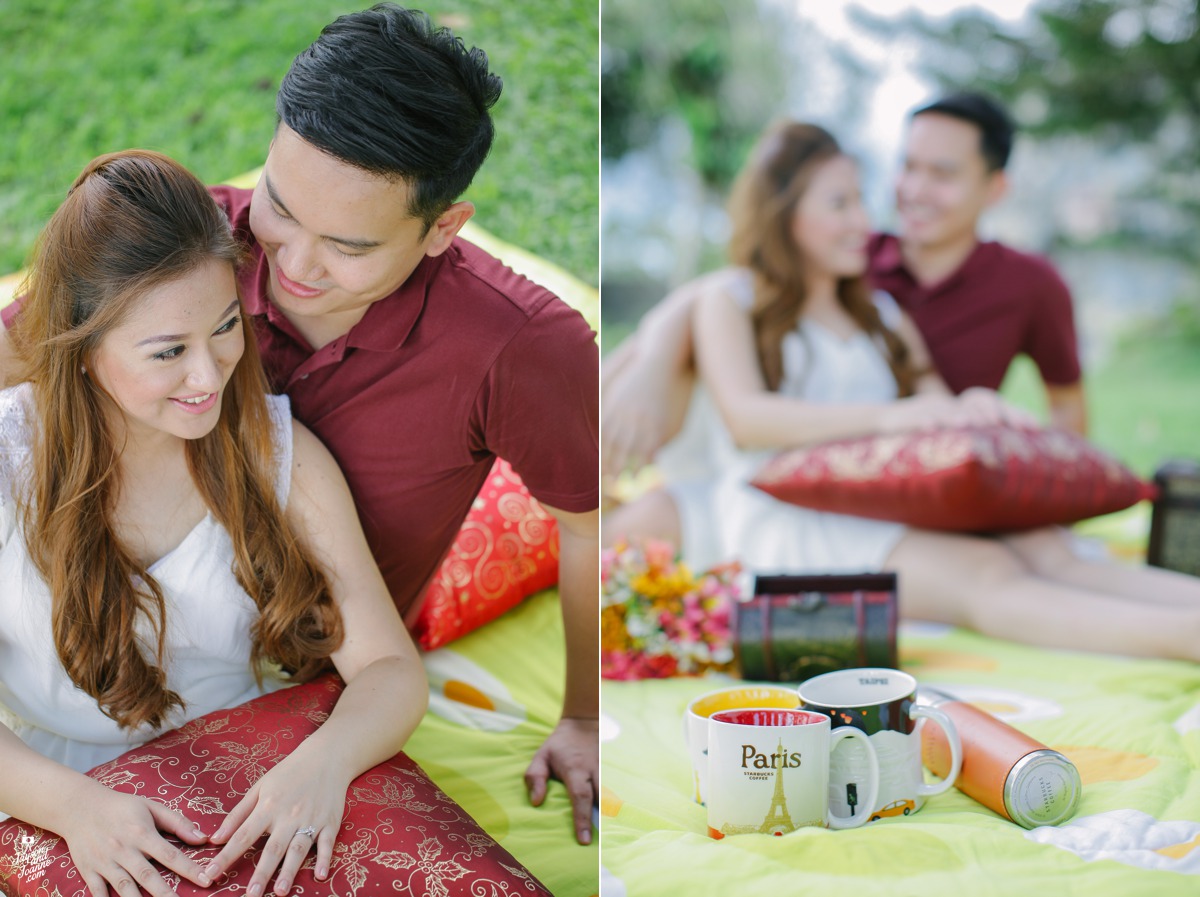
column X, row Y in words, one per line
column 777, row 821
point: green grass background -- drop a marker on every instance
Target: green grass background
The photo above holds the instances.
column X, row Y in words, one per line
column 196, row 80
column 1143, row 400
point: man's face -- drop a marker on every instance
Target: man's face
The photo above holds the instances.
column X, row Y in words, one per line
column 945, row 185
column 336, row 238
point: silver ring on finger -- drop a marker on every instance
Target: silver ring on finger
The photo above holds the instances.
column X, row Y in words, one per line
column 308, row 831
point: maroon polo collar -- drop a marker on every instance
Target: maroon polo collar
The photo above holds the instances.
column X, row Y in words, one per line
column 888, row 259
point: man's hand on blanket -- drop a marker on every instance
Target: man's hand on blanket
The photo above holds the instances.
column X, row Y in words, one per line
column 572, row 755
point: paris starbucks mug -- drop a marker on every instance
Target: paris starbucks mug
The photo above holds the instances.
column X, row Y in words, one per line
column 695, row 722
column 768, row 772
column 881, row 703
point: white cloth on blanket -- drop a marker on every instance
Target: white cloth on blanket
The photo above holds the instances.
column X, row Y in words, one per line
column 209, row 618
column 724, row 518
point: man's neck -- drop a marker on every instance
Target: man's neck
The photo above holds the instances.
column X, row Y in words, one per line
column 933, row 264
column 321, row 330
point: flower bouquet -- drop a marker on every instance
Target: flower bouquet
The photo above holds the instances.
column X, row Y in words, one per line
column 657, row 619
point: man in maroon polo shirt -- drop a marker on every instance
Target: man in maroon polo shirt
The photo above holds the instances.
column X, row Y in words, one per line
column 416, row 357
column 977, row 304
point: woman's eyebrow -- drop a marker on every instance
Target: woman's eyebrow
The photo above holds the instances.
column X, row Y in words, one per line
column 176, row 337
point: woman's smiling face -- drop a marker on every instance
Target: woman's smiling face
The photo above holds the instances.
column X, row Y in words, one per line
column 166, row 365
column 830, row 225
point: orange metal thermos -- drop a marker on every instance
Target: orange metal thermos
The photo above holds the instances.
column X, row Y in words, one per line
column 1003, row 769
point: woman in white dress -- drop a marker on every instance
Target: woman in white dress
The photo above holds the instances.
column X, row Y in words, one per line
column 169, row 538
column 792, row 349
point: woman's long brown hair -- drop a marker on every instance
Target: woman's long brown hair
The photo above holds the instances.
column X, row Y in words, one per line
column 762, row 208
column 132, row 222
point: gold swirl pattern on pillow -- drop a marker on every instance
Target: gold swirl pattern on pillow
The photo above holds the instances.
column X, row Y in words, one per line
column 506, row 550
column 400, row 833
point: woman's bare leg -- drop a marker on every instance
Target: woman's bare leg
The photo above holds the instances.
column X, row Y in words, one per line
column 651, row 516
column 1049, row 554
column 985, row 585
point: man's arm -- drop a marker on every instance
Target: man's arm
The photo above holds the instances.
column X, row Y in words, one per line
column 572, row 752
column 1068, row 407
column 542, row 416
column 1053, row 345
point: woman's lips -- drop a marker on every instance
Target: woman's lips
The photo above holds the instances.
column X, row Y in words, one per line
column 196, row 407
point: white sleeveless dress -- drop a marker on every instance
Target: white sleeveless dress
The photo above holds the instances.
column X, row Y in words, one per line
column 209, row 617
column 723, row 518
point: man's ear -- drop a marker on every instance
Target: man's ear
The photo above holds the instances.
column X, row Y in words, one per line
column 447, row 226
column 997, row 186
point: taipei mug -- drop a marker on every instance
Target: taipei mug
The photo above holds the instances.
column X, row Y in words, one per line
column 881, row 703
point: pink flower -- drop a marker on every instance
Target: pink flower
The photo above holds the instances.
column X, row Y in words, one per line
column 659, row 554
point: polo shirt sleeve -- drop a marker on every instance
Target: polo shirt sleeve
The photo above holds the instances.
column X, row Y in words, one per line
column 1050, row 338
column 542, row 408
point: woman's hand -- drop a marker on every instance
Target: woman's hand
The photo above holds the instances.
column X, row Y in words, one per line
column 299, row 805
column 974, row 407
column 986, row 406
column 113, row 837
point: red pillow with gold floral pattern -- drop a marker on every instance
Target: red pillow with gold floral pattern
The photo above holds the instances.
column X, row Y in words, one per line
column 506, row 550
column 400, row 833
column 966, row 479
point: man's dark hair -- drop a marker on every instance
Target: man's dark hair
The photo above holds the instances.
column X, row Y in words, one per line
column 995, row 126
column 386, row 91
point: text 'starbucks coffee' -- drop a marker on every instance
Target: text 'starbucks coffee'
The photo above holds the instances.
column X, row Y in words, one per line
column 768, row 772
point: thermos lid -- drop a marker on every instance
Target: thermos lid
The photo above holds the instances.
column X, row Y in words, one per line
column 1043, row 788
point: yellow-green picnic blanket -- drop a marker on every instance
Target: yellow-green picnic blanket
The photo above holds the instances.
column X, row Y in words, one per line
column 1132, row 727
column 494, row 696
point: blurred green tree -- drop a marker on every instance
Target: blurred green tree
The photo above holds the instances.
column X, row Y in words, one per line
column 697, row 61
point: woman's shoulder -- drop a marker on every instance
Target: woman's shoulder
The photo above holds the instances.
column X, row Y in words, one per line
column 726, row 284
column 308, row 458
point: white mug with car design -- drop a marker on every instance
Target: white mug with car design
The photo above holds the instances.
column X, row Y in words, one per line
column 881, row 703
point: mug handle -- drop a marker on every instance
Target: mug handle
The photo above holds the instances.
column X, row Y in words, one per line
column 867, row 804
column 932, row 714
